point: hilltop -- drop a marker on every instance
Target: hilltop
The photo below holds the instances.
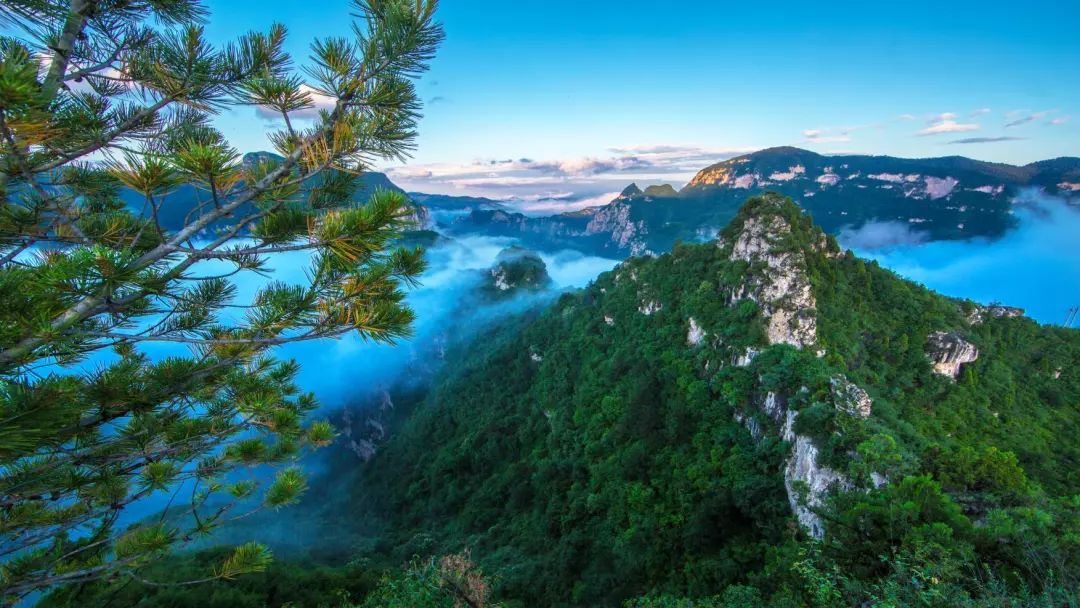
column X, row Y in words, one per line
column 692, row 424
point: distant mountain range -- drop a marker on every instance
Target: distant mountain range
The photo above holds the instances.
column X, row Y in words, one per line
column 935, row 199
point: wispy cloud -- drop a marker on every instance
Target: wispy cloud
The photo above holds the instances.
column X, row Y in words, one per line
column 1060, row 120
column 827, row 136
column 1024, row 118
column 591, row 175
column 946, row 123
column 318, row 101
column 984, row 140
column 980, row 112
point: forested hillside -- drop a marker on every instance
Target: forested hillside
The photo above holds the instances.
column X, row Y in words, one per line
column 763, row 420
column 653, row 434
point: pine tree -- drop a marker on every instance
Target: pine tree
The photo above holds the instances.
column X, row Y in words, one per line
column 98, row 96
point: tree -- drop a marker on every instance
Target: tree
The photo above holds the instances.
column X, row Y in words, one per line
column 103, row 97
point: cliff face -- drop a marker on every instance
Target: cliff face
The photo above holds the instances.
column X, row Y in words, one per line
column 776, row 279
column 948, row 352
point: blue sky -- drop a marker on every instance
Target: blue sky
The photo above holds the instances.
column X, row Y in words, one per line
column 584, row 86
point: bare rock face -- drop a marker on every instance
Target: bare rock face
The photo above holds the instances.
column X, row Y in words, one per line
column 614, row 219
column 778, row 282
column 849, row 398
column 948, row 352
column 695, row 335
column 364, row 434
column 995, row 311
column 803, row 472
column 781, row 288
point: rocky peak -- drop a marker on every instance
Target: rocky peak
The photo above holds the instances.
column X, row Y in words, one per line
column 776, row 278
column 631, row 191
column 948, row 352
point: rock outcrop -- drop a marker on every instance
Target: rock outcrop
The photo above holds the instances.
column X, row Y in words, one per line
column 516, row 270
column 995, row 311
column 695, row 335
column 776, row 281
column 849, row 398
column 948, row 352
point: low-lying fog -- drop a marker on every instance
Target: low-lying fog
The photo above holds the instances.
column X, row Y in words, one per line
column 1036, row 266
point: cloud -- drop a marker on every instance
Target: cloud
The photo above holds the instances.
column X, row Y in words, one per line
column 1025, row 118
column 318, row 100
column 980, row 112
column 437, row 99
column 834, row 135
column 1014, row 269
column 1060, row 120
column 531, row 179
column 559, row 203
column 880, row 235
column 984, row 140
column 946, row 123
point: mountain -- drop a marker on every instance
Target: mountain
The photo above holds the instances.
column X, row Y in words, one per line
column 182, row 203
column 931, row 199
column 760, row 420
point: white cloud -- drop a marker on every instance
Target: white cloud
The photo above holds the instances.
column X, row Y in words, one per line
column 550, row 206
column 980, row 112
column 1060, row 120
column 318, row 100
column 946, row 123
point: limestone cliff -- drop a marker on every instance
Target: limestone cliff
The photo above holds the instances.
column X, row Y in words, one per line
column 777, row 281
column 948, row 351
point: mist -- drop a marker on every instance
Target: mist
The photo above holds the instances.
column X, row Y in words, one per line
column 339, row 370
column 1035, row 266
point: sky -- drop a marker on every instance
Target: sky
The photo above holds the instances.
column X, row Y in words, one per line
column 563, row 99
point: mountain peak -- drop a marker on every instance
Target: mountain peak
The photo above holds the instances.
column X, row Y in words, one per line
column 631, row 190
column 661, row 191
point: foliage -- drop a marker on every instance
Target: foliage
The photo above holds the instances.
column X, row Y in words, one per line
column 127, row 365
column 593, row 455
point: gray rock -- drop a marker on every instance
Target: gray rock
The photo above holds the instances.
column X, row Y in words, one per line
column 948, row 352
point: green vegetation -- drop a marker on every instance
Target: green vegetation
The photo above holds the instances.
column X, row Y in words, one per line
column 597, row 453
column 610, row 466
column 91, row 422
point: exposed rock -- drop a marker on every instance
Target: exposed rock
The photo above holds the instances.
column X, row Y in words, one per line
column 609, row 320
column 803, row 470
column 648, row 307
column 516, row 269
column 695, row 335
column 948, row 351
column 745, row 359
column 780, row 288
column 849, row 398
column 997, row 311
column 614, row 219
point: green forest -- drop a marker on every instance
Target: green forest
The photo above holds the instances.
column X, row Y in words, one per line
column 588, row 455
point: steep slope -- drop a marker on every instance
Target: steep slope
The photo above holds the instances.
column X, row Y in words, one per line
column 689, row 424
column 933, row 199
